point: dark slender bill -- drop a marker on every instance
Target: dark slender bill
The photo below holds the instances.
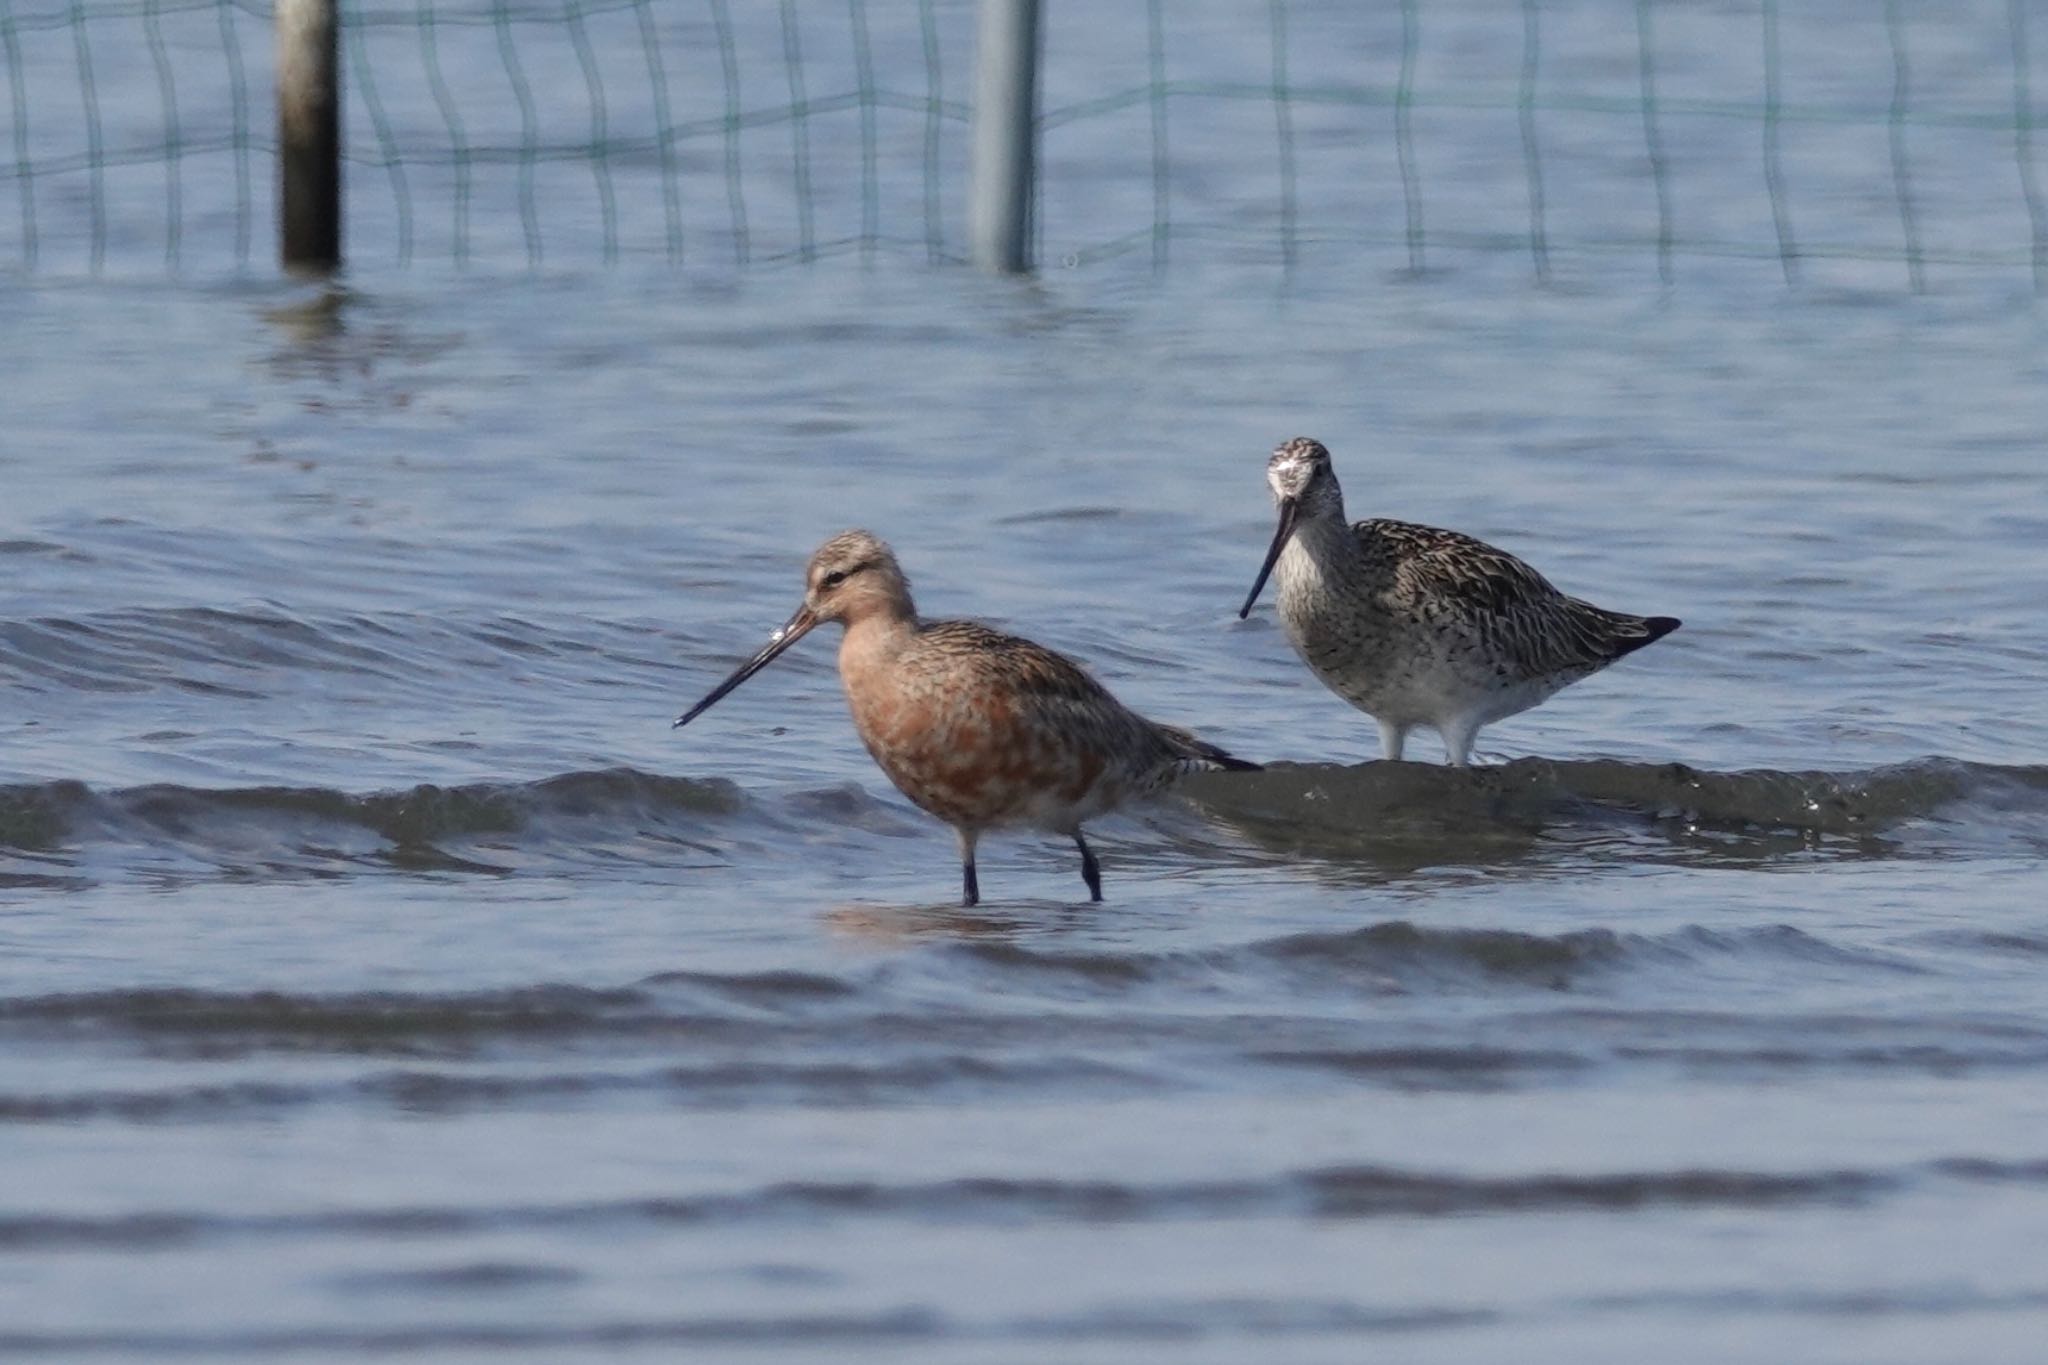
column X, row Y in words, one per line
column 1288, row 511
column 794, row 629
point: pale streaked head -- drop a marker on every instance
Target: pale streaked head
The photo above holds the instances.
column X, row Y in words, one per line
column 851, row 577
column 1297, row 467
column 1303, row 485
column 854, row 575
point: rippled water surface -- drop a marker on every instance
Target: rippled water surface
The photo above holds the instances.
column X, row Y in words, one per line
column 382, row 975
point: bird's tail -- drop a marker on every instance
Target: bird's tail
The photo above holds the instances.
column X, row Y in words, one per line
column 1196, row 755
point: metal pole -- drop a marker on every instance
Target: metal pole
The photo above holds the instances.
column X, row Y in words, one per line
column 308, row 136
column 1005, row 156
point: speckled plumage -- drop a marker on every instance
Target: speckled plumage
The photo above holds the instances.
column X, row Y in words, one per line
column 1419, row 626
column 981, row 729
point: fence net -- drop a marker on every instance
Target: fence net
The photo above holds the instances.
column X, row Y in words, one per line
column 1874, row 141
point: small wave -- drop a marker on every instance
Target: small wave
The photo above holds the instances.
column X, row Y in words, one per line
column 38, row 818
column 1366, row 1191
column 365, row 1021
column 390, row 1021
column 1933, row 1059
column 1424, row 811
column 778, row 989
column 308, row 828
column 1407, row 815
column 1348, row 1192
column 189, row 648
column 960, row 998
column 1933, row 1300
column 606, row 1334
column 711, row 1085
column 18, row 546
column 1995, row 942
column 1398, row 951
column 241, row 652
column 468, row 1277
column 1433, row 1068
column 1397, row 956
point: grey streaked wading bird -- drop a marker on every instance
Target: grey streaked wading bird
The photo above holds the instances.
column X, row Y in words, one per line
column 1416, row 626
column 979, row 728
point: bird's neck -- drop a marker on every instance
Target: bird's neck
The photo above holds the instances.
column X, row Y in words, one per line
column 874, row 639
column 874, row 607
column 1321, row 532
column 1321, row 557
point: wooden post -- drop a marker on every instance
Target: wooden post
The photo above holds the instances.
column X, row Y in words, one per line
column 308, row 136
column 1005, row 148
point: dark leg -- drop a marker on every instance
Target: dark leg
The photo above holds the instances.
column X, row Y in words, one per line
column 970, row 885
column 1091, row 871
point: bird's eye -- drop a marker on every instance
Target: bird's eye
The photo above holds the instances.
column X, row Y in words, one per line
column 833, row 579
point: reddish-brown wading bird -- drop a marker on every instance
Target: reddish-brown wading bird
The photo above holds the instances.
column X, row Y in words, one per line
column 979, row 728
column 1416, row 626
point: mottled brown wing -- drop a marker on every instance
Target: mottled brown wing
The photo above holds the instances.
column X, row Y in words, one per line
column 1049, row 689
column 1021, row 666
column 1057, row 696
column 1441, row 574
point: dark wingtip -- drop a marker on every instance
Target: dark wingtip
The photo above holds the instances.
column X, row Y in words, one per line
column 1655, row 628
column 1227, row 761
column 1203, row 752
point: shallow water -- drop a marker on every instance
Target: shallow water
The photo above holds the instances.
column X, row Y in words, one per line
column 382, row 974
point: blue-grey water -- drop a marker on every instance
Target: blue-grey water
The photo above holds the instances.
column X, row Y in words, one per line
column 380, row 975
